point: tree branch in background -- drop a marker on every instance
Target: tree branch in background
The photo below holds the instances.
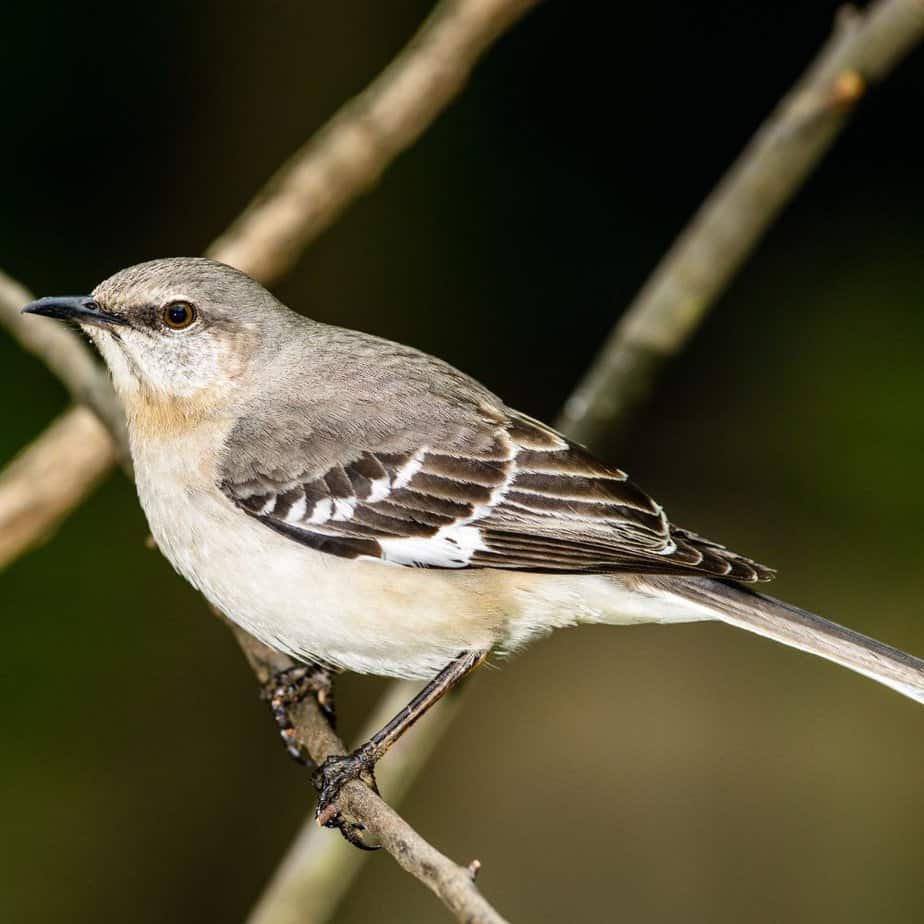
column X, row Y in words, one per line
column 668, row 309
column 454, row 884
column 32, row 504
column 674, row 301
column 318, row 870
column 663, row 317
column 36, row 488
column 864, row 48
column 348, row 155
column 343, row 160
column 68, row 357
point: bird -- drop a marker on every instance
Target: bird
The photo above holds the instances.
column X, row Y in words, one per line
column 363, row 506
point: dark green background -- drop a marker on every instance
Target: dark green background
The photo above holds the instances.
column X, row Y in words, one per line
column 684, row 774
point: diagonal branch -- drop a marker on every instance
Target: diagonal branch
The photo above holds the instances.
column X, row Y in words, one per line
column 349, row 154
column 36, row 487
column 454, row 884
column 666, row 313
column 343, row 160
column 318, row 870
column 71, row 360
column 32, row 504
column 864, row 48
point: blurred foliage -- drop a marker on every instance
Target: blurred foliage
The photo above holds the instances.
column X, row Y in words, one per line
column 646, row 774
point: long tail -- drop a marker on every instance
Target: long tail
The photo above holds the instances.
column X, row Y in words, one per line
column 738, row 606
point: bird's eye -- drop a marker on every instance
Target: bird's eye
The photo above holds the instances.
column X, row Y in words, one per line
column 178, row 315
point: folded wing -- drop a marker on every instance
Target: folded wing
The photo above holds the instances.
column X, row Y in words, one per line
column 522, row 498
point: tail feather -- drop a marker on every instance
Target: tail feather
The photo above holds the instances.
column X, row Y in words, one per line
column 763, row 615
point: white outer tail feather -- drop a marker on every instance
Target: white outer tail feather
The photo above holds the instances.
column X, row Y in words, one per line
column 774, row 619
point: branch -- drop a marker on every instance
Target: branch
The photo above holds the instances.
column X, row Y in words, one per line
column 71, row 360
column 664, row 316
column 453, row 884
column 864, row 48
column 343, row 160
column 340, row 162
column 318, row 870
column 349, row 154
column 691, row 276
column 36, row 489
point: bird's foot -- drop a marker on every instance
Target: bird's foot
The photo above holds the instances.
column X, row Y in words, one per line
column 286, row 689
column 331, row 777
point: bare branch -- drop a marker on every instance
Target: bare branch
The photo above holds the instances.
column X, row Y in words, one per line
column 68, row 357
column 340, row 162
column 348, row 155
column 318, row 870
column 36, row 490
column 863, row 49
column 666, row 313
column 343, row 160
column 453, row 884
column 32, row 502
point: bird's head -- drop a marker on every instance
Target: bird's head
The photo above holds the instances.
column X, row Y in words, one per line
column 176, row 330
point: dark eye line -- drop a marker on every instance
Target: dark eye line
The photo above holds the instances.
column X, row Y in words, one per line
column 148, row 314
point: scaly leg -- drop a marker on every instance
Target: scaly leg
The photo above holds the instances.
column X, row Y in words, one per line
column 286, row 689
column 338, row 770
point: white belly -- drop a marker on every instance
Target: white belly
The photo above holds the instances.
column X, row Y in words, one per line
column 363, row 616
column 360, row 615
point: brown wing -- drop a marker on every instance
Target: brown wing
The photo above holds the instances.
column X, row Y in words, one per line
column 519, row 497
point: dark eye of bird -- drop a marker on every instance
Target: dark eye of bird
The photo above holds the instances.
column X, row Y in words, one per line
column 178, row 315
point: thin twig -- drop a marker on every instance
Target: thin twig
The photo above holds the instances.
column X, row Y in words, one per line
column 454, row 884
column 349, row 154
column 864, row 48
column 318, row 870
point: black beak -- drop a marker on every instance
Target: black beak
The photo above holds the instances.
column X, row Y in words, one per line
column 80, row 308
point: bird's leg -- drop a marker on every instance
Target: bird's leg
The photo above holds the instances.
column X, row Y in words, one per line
column 287, row 688
column 338, row 770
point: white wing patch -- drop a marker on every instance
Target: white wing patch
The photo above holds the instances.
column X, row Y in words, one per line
column 380, row 489
column 343, row 508
column 407, row 471
column 298, row 510
column 322, row 511
column 519, row 496
column 451, row 547
column 454, row 545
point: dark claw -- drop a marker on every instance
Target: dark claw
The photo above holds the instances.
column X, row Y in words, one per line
column 352, row 833
column 332, row 776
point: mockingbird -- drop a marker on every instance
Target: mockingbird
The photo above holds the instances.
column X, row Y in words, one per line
column 361, row 505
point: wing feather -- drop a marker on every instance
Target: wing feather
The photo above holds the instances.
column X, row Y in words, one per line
column 516, row 495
